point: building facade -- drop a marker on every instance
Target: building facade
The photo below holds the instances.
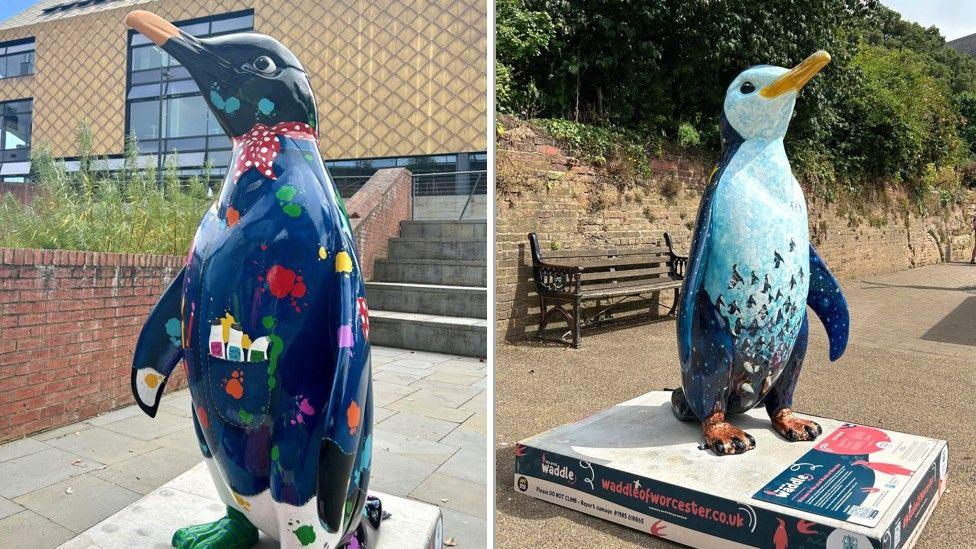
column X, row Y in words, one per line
column 397, row 83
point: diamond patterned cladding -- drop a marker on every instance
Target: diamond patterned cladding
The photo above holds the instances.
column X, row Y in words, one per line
column 391, row 78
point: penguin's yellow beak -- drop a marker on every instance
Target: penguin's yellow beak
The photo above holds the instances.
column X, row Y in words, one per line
column 151, row 26
column 797, row 77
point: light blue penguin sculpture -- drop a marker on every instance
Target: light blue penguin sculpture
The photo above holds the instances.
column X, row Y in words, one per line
column 742, row 323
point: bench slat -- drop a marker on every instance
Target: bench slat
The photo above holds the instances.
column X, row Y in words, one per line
column 624, row 288
column 597, row 264
column 588, row 276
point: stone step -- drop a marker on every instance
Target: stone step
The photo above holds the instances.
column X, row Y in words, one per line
column 444, row 229
column 424, row 332
column 432, row 299
column 456, row 272
column 435, row 248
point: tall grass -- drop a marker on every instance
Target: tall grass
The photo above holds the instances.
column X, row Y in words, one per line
column 130, row 210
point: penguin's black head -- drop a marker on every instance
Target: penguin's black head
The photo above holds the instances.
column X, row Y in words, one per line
column 246, row 78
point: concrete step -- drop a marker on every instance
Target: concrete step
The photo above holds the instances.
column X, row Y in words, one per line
column 456, row 272
column 444, row 229
column 431, row 299
column 435, row 333
column 431, row 248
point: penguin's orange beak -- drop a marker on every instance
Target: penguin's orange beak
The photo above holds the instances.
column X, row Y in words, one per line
column 796, row 77
column 151, row 26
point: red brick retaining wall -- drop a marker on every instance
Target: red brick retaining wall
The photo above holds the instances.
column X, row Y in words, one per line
column 375, row 212
column 68, row 325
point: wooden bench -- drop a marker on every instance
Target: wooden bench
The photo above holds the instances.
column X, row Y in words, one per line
column 611, row 275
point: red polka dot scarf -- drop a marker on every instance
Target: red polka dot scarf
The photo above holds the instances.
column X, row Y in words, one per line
column 260, row 146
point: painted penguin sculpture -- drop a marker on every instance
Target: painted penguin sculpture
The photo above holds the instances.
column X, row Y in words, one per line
column 268, row 314
column 742, row 323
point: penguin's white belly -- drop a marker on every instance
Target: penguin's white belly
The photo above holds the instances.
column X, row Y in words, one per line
column 292, row 526
column 757, row 272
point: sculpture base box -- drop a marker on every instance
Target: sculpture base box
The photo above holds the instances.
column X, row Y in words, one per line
column 192, row 499
column 855, row 487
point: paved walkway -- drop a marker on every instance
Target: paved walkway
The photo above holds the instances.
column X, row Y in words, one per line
column 429, row 444
column 910, row 366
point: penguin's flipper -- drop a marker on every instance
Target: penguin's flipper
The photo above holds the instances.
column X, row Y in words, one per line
column 701, row 245
column 827, row 300
column 159, row 348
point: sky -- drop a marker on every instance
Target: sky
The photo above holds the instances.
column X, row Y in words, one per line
column 955, row 18
column 9, row 8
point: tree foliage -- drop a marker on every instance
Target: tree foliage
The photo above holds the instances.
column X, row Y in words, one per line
column 894, row 101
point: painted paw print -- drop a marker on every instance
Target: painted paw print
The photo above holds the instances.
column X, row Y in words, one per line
column 286, row 194
column 235, row 385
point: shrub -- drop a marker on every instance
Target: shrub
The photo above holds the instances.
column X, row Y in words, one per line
column 132, row 210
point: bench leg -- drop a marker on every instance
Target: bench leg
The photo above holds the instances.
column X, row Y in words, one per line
column 674, row 306
column 543, row 317
column 576, row 323
column 655, row 304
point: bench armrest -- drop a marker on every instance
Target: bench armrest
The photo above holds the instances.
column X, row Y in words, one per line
column 556, row 278
column 678, row 262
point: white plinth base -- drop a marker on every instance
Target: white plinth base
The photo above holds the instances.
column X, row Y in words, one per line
column 192, row 499
column 638, row 466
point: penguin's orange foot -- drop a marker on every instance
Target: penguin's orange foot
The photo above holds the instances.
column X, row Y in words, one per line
column 793, row 428
column 724, row 438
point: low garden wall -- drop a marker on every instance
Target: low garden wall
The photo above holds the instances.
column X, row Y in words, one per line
column 68, row 325
column 570, row 203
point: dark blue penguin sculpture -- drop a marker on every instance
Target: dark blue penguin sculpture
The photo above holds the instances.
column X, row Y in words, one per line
column 268, row 315
column 742, row 322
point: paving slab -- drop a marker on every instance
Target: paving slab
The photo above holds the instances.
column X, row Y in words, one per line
column 20, row 448
column 40, row 469
column 466, row 464
column 144, row 427
column 8, row 508
column 454, row 378
column 145, row 473
column 396, row 474
column 103, row 445
column 61, row 432
column 90, row 500
column 452, row 493
column 116, row 415
column 426, row 409
column 444, row 394
column 413, row 447
column 465, row 530
column 27, row 529
column 416, row 425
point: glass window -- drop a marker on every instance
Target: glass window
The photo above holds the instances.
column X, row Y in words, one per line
column 187, row 116
column 144, row 119
column 243, row 22
column 147, row 57
column 16, row 129
column 16, row 58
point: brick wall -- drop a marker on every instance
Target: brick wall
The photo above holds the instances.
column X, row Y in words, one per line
column 375, row 212
column 68, row 325
column 572, row 204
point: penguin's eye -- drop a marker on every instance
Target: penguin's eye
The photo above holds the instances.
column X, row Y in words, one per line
column 747, row 88
column 265, row 64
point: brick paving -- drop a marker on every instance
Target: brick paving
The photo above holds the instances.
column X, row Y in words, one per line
column 429, row 445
